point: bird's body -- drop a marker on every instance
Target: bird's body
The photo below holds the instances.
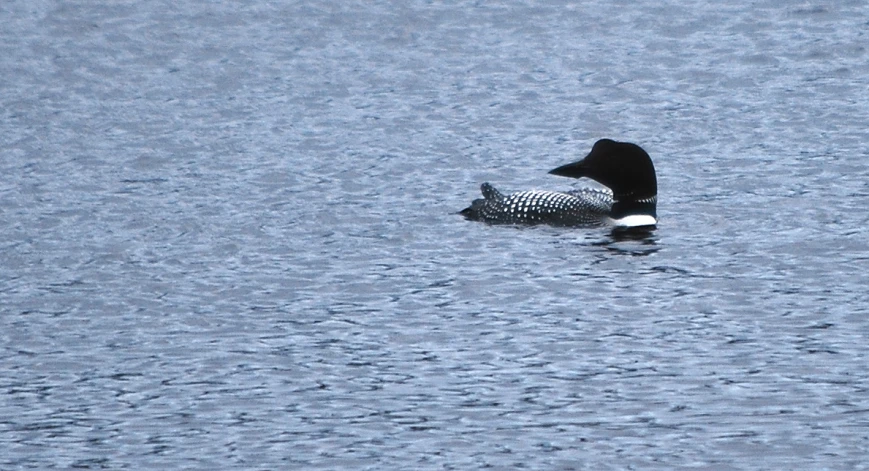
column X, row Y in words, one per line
column 630, row 199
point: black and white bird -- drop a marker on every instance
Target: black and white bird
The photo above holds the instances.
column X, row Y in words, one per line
column 628, row 202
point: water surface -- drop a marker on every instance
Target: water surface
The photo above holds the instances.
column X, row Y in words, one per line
column 228, row 236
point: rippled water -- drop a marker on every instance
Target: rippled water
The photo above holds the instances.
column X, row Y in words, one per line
column 228, row 236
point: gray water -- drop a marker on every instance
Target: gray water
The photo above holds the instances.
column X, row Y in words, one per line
column 228, row 236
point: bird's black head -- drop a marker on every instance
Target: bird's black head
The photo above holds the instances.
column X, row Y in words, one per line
column 623, row 167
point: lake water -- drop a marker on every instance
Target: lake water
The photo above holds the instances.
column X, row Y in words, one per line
column 228, row 236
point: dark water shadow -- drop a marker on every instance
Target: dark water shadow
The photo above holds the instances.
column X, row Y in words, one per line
column 638, row 243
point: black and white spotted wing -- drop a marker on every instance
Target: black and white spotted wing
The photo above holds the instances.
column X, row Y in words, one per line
column 579, row 207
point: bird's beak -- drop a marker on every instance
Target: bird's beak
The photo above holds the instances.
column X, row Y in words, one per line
column 574, row 170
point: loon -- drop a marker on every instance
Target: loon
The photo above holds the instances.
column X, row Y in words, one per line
column 628, row 203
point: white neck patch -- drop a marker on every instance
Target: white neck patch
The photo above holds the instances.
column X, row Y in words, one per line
column 635, row 220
